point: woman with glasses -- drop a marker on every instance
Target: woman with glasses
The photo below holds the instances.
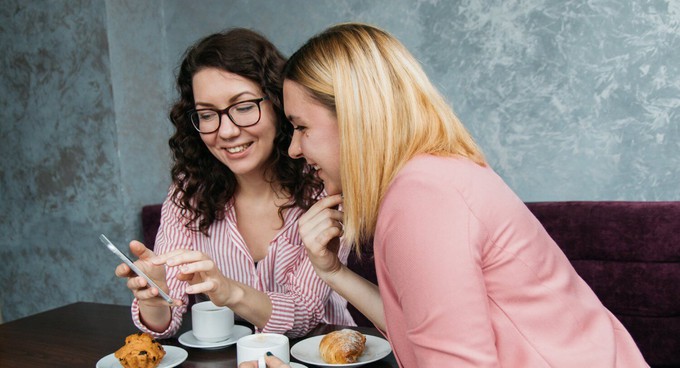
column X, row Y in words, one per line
column 229, row 223
column 467, row 277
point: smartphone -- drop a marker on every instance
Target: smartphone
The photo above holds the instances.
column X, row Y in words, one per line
column 134, row 268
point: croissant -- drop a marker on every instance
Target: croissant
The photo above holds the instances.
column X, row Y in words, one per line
column 140, row 351
column 342, row 347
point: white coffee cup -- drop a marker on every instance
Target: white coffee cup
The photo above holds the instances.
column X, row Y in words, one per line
column 254, row 347
column 211, row 323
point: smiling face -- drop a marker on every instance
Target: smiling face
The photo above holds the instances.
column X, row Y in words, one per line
column 316, row 136
column 245, row 151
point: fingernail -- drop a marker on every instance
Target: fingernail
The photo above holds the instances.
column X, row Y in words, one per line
column 269, row 353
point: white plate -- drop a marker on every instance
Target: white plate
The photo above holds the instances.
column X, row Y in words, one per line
column 188, row 339
column 297, row 365
column 174, row 356
column 307, row 351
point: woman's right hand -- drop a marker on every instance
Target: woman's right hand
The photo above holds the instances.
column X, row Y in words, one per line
column 201, row 273
column 271, row 361
column 320, row 230
column 145, row 295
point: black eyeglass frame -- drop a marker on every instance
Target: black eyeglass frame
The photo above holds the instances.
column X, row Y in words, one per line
column 225, row 111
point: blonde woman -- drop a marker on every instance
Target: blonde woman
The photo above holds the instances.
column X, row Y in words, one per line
column 467, row 275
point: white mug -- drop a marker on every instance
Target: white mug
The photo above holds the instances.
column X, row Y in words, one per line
column 211, row 323
column 254, row 347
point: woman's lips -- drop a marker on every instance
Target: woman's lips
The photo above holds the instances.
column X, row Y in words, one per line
column 238, row 149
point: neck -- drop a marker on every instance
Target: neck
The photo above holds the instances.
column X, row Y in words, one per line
column 257, row 188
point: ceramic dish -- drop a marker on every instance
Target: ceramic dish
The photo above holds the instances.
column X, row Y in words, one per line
column 174, row 356
column 307, row 351
column 188, row 339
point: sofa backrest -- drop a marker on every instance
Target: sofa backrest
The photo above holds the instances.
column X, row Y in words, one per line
column 151, row 221
column 628, row 252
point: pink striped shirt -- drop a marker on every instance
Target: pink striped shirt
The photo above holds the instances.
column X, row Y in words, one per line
column 300, row 299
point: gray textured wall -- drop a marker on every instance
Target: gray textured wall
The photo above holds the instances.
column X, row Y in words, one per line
column 61, row 172
column 571, row 100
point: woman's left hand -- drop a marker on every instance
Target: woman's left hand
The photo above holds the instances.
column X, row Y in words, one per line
column 201, row 272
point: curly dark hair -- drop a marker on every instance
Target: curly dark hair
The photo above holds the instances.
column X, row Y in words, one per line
column 202, row 184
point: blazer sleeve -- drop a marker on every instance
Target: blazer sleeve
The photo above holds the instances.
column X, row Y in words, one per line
column 432, row 262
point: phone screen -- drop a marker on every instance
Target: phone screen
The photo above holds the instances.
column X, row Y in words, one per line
column 134, row 268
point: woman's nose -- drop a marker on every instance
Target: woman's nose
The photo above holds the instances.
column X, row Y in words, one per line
column 294, row 149
column 227, row 128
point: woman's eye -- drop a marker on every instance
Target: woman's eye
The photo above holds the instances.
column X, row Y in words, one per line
column 207, row 115
column 299, row 128
column 244, row 109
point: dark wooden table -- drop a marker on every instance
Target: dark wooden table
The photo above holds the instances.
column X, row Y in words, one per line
column 79, row 334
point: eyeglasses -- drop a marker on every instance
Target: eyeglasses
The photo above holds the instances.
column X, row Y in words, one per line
column 242, row 114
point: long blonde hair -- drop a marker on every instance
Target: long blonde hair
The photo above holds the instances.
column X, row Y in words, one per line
column 387, row 111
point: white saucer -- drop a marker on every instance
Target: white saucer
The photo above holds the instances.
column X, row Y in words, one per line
column 188, row 339
column 307, row 351
column 174, row 356
column 296, row 365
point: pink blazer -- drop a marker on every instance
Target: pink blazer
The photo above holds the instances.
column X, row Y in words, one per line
column 469, row 278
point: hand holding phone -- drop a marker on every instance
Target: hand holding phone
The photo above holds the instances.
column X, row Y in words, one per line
column 134, row 268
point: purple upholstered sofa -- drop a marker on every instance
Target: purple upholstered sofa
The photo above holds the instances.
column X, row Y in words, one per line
column 628, row 252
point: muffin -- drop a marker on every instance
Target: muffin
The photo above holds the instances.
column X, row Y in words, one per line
column 140, row 351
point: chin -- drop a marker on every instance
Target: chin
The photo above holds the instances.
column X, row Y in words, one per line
column 332, row 189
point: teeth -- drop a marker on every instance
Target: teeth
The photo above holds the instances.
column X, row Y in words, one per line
column 238, row 149
column 316, row 167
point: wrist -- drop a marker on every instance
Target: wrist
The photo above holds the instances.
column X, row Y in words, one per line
column 333, row 277
column 156, row 318
column 236, row 296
